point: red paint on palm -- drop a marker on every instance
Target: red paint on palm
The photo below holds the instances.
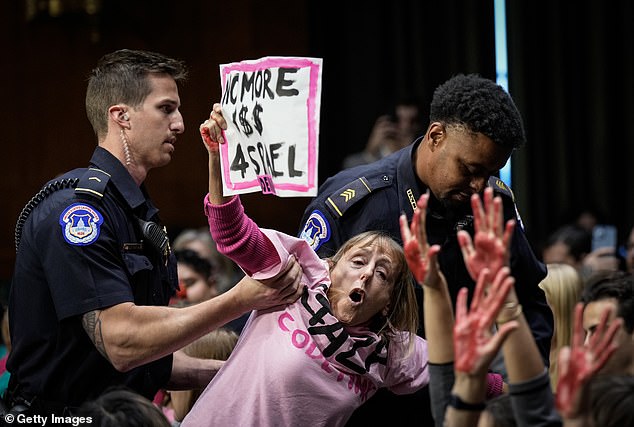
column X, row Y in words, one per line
column 579, row 362
column 489, row 248
column 475, row 345
column 206, row 135
column 416, row 263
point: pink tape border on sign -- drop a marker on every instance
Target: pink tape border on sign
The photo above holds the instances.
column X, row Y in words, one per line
column 312, row 129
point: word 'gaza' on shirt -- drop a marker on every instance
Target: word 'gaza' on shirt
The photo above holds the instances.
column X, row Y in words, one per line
column 328, row 330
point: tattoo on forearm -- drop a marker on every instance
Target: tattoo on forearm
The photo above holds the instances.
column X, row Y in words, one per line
column 92, row 325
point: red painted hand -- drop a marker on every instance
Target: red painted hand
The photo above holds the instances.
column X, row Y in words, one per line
column 579, row 362
column 211, row 129
column 490, row 247
column 421, row 258
column 475, row 345
column 205, row 133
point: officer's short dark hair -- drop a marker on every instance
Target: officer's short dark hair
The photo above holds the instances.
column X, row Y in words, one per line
column 482, row 106
column 121, row 77
column 613, row 284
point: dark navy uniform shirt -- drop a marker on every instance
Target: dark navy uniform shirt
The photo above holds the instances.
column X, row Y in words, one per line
column 372, row 197
column 82, row 250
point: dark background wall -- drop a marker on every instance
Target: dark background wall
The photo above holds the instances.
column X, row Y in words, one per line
column 572, row 77
column 570, row 73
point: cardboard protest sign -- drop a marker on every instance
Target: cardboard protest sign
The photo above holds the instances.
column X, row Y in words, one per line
column 271, row 106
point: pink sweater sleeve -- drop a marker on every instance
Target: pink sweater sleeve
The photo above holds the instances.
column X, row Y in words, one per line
column 239, row 238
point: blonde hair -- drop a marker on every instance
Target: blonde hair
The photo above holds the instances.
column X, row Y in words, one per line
column 403, row 310
column 218, row 345
column 562, row 286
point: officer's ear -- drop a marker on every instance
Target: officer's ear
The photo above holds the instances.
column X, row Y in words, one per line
column 435, row 135
column 119, row 114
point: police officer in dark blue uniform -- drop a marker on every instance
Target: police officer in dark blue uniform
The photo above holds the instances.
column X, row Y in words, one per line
column 83, row 249
column 474, row 127
column 94, row 270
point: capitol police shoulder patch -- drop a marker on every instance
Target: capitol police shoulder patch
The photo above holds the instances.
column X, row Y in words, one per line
column 316, row 230
column 80, row 224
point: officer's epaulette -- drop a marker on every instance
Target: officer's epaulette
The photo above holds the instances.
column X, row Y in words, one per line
column 93, row 183
column 341, row 200
column 500, row 187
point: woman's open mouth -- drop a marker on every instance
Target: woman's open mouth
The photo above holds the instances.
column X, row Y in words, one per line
column 357, row 296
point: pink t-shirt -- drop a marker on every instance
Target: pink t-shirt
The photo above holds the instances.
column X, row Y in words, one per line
column 298, row 365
